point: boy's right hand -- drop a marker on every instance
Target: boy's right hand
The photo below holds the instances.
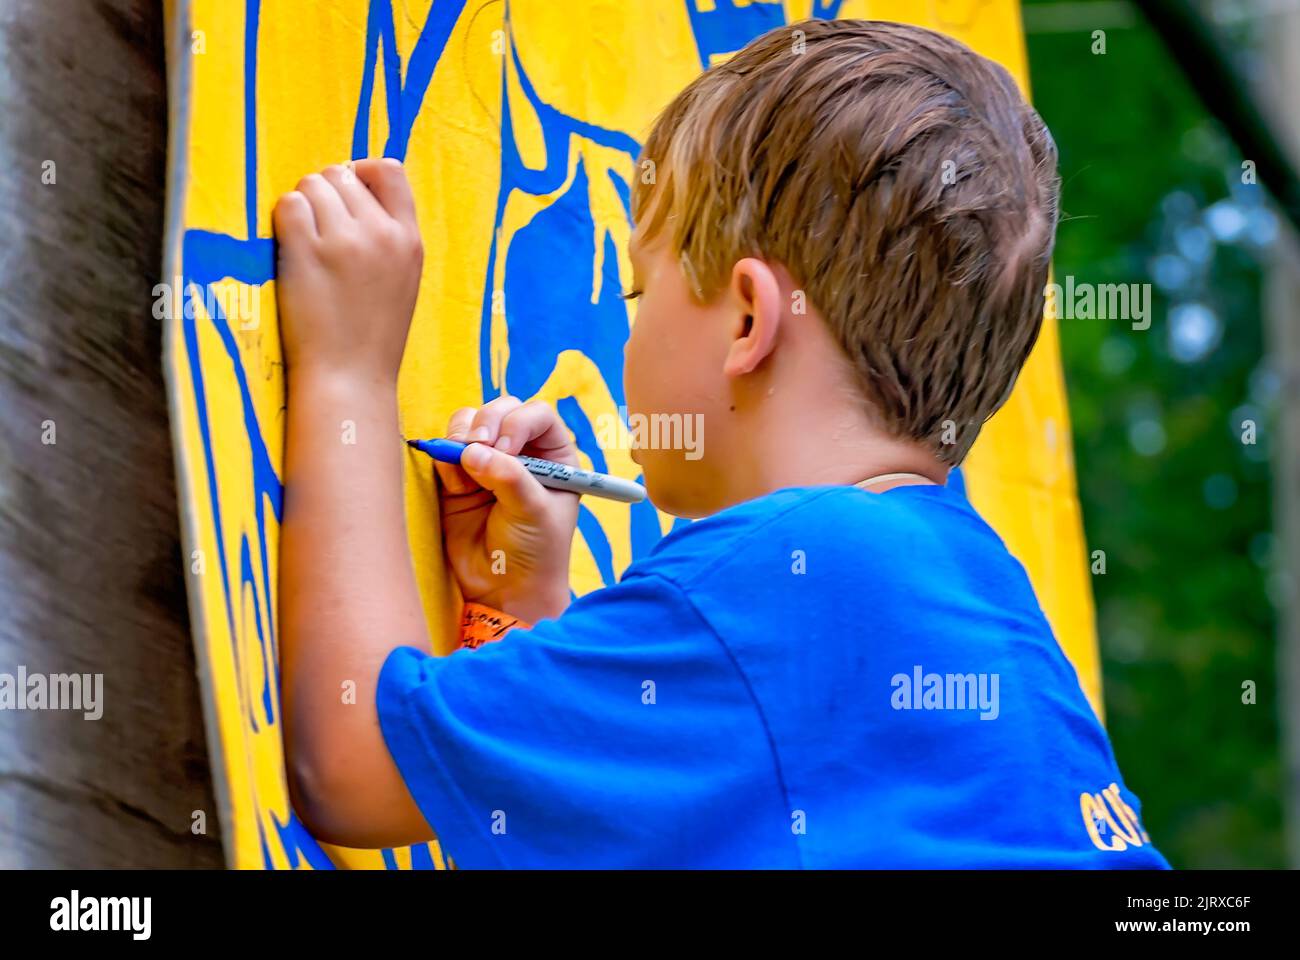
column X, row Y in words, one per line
column 506, row 536
column 348, row 270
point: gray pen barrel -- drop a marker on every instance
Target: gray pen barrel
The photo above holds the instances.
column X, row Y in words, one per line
column 559, row 476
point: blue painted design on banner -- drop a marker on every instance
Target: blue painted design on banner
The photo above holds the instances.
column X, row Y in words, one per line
column 403, row 96
column 252, row 15
column 726, row 28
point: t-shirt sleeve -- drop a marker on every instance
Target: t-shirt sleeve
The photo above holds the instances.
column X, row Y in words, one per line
column 620, row 734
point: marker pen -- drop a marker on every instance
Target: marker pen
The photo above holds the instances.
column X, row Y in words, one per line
column 557, row 476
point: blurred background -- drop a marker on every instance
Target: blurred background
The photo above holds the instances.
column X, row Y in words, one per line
column 1185, row 433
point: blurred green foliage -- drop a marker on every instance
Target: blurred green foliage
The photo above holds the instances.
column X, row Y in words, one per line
column 1180, row 505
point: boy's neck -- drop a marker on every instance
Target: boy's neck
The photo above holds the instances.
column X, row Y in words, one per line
column 841, row 451
column 801, row 419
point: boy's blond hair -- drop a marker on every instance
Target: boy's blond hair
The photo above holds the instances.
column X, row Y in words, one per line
column 903, row 182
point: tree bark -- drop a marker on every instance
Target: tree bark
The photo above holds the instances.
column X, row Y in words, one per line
column 91, row 577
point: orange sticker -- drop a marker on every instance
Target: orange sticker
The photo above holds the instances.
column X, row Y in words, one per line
column 480, row 624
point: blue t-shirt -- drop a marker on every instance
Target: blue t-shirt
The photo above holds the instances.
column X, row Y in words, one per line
column 822, row 677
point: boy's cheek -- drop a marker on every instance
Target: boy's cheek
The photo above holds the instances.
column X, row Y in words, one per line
column 648, row 364
column 635, row 373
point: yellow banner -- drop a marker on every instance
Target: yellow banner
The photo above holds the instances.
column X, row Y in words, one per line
column 520, row 122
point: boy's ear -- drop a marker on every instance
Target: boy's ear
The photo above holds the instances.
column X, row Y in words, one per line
column 755, row 297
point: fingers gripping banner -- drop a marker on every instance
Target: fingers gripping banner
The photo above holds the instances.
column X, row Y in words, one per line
column 520, row 122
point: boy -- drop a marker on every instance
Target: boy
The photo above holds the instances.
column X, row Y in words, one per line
column 840, row 269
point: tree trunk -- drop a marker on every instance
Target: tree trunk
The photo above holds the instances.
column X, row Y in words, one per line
column 91, row 578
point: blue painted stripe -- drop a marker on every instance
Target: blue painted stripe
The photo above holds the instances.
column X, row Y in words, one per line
column 575, row 418
column 361, row 126
column 403, row 97
column 252, row 15
column 594, row 534
column 419, row 71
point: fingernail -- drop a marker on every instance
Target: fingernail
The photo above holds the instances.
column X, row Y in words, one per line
column 479, row 435
column 503, row 443
column 476, row 456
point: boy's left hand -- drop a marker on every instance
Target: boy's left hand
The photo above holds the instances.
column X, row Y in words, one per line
column 348, row 270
